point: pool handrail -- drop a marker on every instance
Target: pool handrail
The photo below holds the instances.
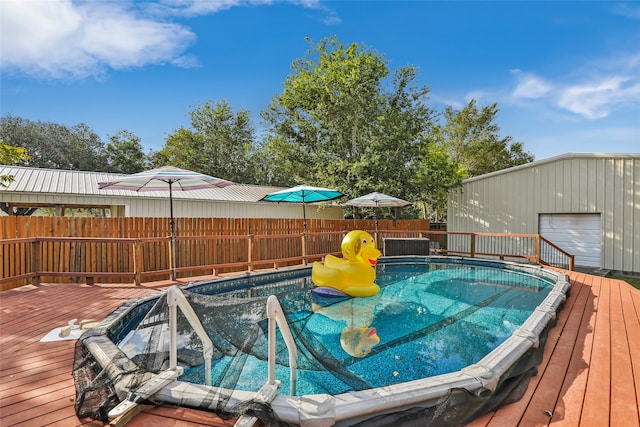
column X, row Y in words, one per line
column 175, row 299
column 276, row 316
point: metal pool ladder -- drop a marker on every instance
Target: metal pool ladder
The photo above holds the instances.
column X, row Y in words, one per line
column 175, row 298
column 269, row 391
column 130, row 406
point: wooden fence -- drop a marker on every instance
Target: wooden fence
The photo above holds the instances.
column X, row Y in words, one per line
column 126, row 249
column 139, row 249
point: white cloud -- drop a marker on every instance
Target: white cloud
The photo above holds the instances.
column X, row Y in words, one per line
column 530, row 86
column 205, row 7
column 596, row 99
column 62, row 39
column 72, row 39
column 627, row 10
column 593, row 92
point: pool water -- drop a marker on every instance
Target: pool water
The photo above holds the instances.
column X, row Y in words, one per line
column 430, row 320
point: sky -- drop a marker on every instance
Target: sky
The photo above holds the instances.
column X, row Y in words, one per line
column 565, row 74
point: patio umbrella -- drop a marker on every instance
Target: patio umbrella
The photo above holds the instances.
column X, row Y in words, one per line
column 163, row 179
column 303, row 194
column 376, row 200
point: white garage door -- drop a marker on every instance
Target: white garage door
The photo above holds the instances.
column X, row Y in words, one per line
column 578, row 234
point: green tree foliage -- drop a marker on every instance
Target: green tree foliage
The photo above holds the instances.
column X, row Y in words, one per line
column 342, row 122
column 125, row 153
column 472, row 139
column 12, row 156
column 55, row 146
column 435, row 176
column 219, row 143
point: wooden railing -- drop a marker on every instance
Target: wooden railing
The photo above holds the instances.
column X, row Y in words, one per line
column 62, row 259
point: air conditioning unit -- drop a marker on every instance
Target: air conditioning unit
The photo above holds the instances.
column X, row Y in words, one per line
column 409, row 246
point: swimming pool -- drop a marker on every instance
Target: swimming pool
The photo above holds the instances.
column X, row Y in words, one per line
column 447, row 338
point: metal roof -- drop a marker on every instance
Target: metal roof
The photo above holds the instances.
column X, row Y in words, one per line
column 560, row 157
column 82, row 183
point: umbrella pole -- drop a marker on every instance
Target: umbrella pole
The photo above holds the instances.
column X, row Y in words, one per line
column 376, row 216
column 173, row 235
column 304, row 233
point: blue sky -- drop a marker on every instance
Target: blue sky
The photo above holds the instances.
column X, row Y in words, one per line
column 566, row 75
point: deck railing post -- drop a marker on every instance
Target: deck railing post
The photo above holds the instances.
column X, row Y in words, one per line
column 250, row 252
column 35, row 261
column 538, row 255
column 472, row 245
column 138, row 264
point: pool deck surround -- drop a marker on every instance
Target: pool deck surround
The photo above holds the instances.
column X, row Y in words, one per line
column 589, row 375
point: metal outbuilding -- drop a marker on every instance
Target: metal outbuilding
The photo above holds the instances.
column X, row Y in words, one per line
column 587, row 204
column 64, row 189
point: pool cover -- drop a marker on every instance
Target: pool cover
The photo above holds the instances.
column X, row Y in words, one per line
column 114, row 361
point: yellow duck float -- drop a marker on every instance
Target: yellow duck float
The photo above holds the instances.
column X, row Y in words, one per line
column 354, row 274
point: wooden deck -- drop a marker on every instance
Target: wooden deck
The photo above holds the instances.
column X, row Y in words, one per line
column 590, row 374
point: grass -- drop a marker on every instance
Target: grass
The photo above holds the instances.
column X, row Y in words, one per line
column 633, row 281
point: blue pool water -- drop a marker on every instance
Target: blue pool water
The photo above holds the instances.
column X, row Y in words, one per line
column 430, row 320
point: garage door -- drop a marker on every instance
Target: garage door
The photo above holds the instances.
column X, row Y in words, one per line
column 578, row 234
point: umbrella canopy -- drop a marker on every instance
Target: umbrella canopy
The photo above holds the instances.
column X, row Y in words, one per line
column 162, row 179
column 303, row 194
column 376, row 200
column 158, row 179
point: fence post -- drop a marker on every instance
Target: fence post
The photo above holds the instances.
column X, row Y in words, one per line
column 35, row 261
column 538, row 255
column 472, row 245
column 138, row 265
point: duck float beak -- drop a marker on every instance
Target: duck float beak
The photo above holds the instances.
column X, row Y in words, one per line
column 373, row 334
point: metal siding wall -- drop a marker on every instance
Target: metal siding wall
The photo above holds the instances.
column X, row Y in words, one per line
column 511, row 202
column 159, row 208
column 152, row 207
column 635, row 218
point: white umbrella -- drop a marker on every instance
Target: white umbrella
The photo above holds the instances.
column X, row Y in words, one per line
column 376, row 200
column 163, row 179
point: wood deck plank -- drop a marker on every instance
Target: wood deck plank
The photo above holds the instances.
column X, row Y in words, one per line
column 632, row 324
column 543, row 403
column 569, row 406
column 624, row 408
column 33, row 390
column 597, row 399
column 579, row 378
column 512, row 414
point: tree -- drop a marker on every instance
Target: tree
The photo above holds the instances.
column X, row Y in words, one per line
column 10, row 155
column 219, row 143
column 55, row 146
column 435, row 176
column 341, row 123
column 125, row 153
column 86, row 151
column 471, row 137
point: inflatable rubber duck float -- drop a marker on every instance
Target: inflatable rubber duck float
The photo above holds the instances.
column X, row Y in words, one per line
column 353, row 275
